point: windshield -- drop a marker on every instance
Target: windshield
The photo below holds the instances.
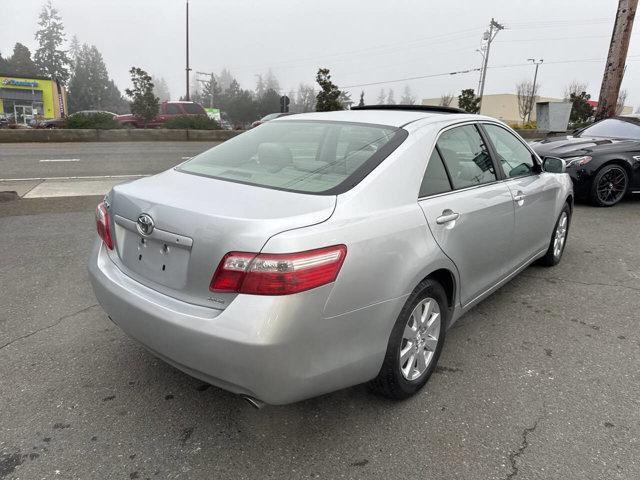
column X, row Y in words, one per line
column 302, row 156
column 614, row 127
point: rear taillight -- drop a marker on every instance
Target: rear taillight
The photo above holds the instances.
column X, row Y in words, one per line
column 277, row 274
column 102, row 225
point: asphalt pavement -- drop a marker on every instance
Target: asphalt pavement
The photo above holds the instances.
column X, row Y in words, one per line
column 540, row 381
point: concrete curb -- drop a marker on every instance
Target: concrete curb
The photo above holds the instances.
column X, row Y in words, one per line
column 121, row 135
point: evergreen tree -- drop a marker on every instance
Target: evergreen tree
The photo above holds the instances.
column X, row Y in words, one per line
column 468, row 101
column 211, row 93
column 161, row 89
column 74, row 49
column 90, row 87
column 268, row 103
column 381, row 97
column 361, row 102
column 390, row 99
column 407, row 96
column 328, row 98
column 4, row 65
column 238, row 105
column 581, row 111
column 50, row 58
column 144, row 103
column 20, row 63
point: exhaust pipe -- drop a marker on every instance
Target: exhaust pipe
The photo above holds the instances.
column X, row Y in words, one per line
column 254, row 402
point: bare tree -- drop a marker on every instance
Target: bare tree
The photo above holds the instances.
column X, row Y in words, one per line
column 622, row 97
column 407, row 96
column 576, row 87
column 382, row 97
column 446, row 99
column 390, row 99
column 526, row 92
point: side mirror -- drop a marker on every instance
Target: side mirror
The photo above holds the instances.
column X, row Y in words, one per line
column 554, row 165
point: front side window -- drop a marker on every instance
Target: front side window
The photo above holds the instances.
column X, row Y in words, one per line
column 515, row 158
column 435, row 178
column 173, row 109
column 193, row 109
column 303, row 156
column 466, row 157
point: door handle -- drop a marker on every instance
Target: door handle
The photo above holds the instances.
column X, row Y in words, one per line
column 447, row 216
column 519, row 197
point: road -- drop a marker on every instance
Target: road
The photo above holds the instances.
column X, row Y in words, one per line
column 540, row 381
column 38, row 170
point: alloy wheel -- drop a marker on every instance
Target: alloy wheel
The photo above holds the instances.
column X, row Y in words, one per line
column 612, row 186
column 561, row 234
column 420, row 339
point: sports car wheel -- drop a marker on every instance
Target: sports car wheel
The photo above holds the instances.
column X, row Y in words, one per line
column 609, row 186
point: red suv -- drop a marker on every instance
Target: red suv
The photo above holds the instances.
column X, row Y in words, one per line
column 167, row 111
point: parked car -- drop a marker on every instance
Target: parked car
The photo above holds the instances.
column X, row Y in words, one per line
column 50, row 123
column 328, row 249
column 168, row 110
column 271, row 116
column 91, row 112
column 603, row 159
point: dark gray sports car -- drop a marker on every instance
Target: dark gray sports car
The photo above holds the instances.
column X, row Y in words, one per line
column 603, row 159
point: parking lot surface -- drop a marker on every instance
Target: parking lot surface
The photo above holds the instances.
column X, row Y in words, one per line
column 540, row 381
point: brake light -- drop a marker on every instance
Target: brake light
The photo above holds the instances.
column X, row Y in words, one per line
column 102, row 225
column 277, row 274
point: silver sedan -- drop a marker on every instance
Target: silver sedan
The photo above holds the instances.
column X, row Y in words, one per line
column 324, row 250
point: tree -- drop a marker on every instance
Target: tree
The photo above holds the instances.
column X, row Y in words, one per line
column 581, row 111
column 224, row 79
column 526, row 92
column 74, row 50
column 390, row 99
column 306, row 99
column 361, row 102
column 381, row 97
column 576, row 87
column 4, row 65
column 50, row 58
column 328, row 98
column 144, row 103
column 268, row 103
column 345, row 100
column 20, row 63
column 271, row 82
column 622, row 98
column 446, row 99
column 161, row 89
column 90, row 87
column 407, row 96
column 238, row 105
column 211, row 92
column 468, row 101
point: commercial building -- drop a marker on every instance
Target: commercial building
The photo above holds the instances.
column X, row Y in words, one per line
column 504, row 106
column 23, row 99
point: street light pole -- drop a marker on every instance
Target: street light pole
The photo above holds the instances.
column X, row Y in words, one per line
column 187, row 43
column 534, row 88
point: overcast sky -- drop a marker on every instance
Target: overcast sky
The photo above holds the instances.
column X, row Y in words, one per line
column 361, row 41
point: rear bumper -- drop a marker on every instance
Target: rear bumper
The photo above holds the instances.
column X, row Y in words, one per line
column 276, row 349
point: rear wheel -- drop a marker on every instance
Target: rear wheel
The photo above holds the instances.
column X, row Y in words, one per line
column 415, row 343
column 558, row 238
column 609, row 186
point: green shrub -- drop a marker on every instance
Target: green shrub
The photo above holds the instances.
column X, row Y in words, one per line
column 99, row 120
column 192, row 122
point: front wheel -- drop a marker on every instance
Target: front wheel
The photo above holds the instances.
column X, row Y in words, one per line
column 415, row 343
column 558, row 238
column 609, row 186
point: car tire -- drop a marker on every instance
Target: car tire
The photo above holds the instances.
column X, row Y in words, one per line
column 558, row 238
column 399, row 376
column 609, row 186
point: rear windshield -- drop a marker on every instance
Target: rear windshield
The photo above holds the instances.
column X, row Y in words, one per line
column 301, row 156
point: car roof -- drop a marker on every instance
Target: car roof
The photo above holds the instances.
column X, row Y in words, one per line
column 382, row 116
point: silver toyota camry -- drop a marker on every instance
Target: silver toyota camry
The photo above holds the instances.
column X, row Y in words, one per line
column 324, row 250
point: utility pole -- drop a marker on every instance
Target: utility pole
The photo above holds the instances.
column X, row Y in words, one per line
column 614, row 69
column 534, row 89
column 187, row 69
column 489, row 35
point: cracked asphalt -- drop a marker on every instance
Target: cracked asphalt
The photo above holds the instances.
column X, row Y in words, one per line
column 540, row 381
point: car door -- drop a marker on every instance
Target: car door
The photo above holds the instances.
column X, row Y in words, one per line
column 468, row 209
column 534, row 193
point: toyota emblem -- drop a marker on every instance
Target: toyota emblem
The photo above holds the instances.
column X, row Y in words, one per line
column 145, row 224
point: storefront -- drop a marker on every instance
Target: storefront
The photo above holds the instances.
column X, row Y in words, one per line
column 23, row 100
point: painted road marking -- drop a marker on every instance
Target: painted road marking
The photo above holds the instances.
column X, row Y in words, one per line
column 59, row 160
column 186, row 158
column 73, row 188
column 89, row 177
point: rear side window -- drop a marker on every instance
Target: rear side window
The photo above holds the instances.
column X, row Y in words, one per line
column 435, row 178
column 515, row 158
column 466, row 157
column 193, row 109
column 173, row 109
column 302, row 156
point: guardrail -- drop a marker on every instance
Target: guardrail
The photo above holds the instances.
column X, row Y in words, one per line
column 121, row 135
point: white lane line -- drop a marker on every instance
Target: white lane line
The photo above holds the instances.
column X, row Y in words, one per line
column 186, row 158
column 90, row 177
column 59, row 160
